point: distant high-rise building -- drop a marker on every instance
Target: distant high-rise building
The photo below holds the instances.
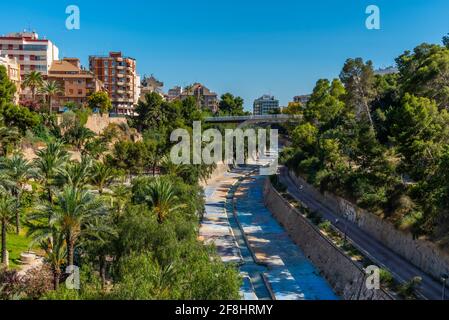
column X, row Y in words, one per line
column 32, row 53
column 303, row 99
column 13, row 72
column 120, row 79
column 76, row 83
column 265, row 105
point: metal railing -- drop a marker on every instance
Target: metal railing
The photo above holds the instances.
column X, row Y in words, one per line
column 269, row 117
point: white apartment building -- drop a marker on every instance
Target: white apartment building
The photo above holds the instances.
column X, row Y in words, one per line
column 32, row 53
column 13, row 71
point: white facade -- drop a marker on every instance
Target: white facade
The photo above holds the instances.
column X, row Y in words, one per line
column 137, row 89
column 32, row 53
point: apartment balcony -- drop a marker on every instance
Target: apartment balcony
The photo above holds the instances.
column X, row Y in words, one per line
column 119, row 75
column 119, row 59
column 120, row 91
column 120, row 67
column 120, row 83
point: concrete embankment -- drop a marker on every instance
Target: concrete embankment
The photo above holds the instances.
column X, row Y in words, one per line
column 425, row 255
column 346, row 277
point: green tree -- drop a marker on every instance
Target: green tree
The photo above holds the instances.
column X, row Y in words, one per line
column 420, row 131
column 131, row 157
column 19, row 117
column 102, row 176
column 50, row 89
column 49, row 163
column 19, row 171
column 161, row 199
column 7, row 88
column 55, row 254
column 326, row 102
column 34, row 81
column 79, row 136
column 230, row 105
column 101, row 101
column 7, row 209
column 74, row 173
column 293, row 108
column 150, row 113
column 358, row 79
column 70, row 214
column 9, row 137
column 446, row 40
column 424, row 72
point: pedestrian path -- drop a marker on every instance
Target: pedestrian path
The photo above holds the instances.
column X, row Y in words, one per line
column 215, row 226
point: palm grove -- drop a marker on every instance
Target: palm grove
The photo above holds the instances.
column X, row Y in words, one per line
column 381, row 141
column 112, row 203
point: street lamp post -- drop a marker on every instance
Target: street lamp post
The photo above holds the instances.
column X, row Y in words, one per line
column 444, row 278
column 345, row 229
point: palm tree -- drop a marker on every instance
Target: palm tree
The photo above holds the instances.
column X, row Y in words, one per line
column 171, row 168
column 100, row 234
column 73, row 209
column 50, row 89
column 49, row 163
column 34, row 81
column 75, row 173
column 119, row 199
column 79, row 136
column 50, row 239
column 55, row 251
column 19, row 171
column 7, row 208
column 102, row 176
column 8, row 136
column 161, row 199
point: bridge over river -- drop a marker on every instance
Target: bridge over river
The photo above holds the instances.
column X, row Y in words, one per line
column 246, row 233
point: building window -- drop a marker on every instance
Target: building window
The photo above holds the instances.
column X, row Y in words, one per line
column 34, row 47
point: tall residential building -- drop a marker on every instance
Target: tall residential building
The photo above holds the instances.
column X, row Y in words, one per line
column 31, row 52
column 120, row 79
column 265, row 105
column 76, row 83
column 205, row 98
column 13, row 71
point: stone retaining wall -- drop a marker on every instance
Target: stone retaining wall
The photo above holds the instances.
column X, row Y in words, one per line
column 424, row 254
column 98, row 123
column 343, row 274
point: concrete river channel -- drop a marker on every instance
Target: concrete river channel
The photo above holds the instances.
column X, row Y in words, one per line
column 246, row 234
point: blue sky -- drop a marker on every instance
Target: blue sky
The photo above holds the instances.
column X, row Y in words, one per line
column 247, row 47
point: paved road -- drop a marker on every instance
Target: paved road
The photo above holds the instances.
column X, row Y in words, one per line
column 398, row 266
